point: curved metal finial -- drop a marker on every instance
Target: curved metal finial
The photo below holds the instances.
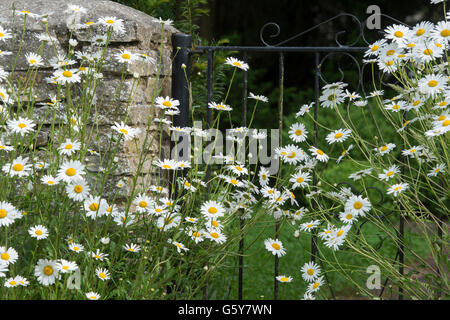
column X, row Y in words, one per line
column 340, row 70
column 276, row 34
column 336, row 38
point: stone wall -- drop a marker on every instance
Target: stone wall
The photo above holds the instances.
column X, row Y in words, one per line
column 142, row 35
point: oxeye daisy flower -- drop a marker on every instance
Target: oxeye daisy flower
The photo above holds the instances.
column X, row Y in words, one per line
column 132, row 247
column 65, row 266
column 18, row 167
column 238, row 169
column 358, row 205
column 46, row 272
column 385, row 148
column 339, row 135
column 39, row 232
column 78, row 190
column 397, row 33
column 308, row 226
column 92, row 295
column 71, row 171
column 21, row 126
column 4, row 146
column 310, row 271
column 318, row 154
column 166, row 103
column 347, row 217
column 284, row 278
column 441, row 32
column 76, row 247
column 439, row 168
column 167, row 22
column 398, row 188
column 304, row 109
column 66, row 76
column 142, row 203
column 344, row 153
column 167, row 222
column 275, row 247
column 102, row 274
column 300, row 179
column 4, row 34
column 95, row 207
column 298, row 132
column 166, row 164
column 331, row 98
column 34, row 60
column 236, row 63
column 126, row 56
column 412, row 152
column 389, row 173
column 219, row 106
column 432, row 85
column 315, row 285
column 127, row 132
column 69, row 147
column 8, row 256
column 8, row 213
column 116, row 25
column 374, row 48
column 212, row 209
column 180, row 247
column 75, row 9
column 263, row 176
column 97, row 255
column 27, row 13
column 258, row 98
column 12, row 282
column 427, row 53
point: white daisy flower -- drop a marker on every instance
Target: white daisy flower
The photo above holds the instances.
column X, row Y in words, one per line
column 34, row 60
column 103, row 274
column 275, row 247
column 310, row 271
column 389, row 173
column 39, row 232
column 92, row 295
column 64, row 266
column 339, row 135
column 18, row 167
column 116, row 25
column 69, row 147
column 8, row 214
column 78, row 190
column 212, row 209
column 318, row 154
column 358, row 205
column 8, row 256
column 398, row 188
column 236, row 63
column 298, row 132
column 21, row 126
column 46, row 272
column 71, row 171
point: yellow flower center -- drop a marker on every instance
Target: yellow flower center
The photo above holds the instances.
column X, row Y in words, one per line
column 389, row 63
column 48, row 270
column 13, row 283
column 142, row 204
column 300, row 179
column 237, row 64
column 102, row 275
column 375, row 48
column 445, row 33
column 68, row 146
column 38, row 232
column 78, row 188
column 284, row 279
column 215, row 235
column 167, row 104
column 109, row 21
column 398, row 34
column 215, row 223
column 446, row 123
column 390, row 173
column 315, row 285
column 390, row 52
column 123, row 131
column 432, row 83
column 166, row 166
column 339, row 233
column 94, row 206
column 212, row 210
column 276, row 246
column 67, row 74
column 349, row 216
column 126, row 56
column 187, row 184
column 5, row 256
column 292, row 155
column 3, row 213
column 338, row 135
column 384, row 148
column 420, row 32
column 238, row 168
column 398, row 188
column 298, row 132
column 234, row 181
column 310, row 271
column 196, row 234
column 319, row 152
column 71, row 172
column 411, row 45
column 65, row 267
column 22, row 125
column 17, row 167
column 415, row 103
column 32, row 61
column 357, row 205
column 428, row 52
